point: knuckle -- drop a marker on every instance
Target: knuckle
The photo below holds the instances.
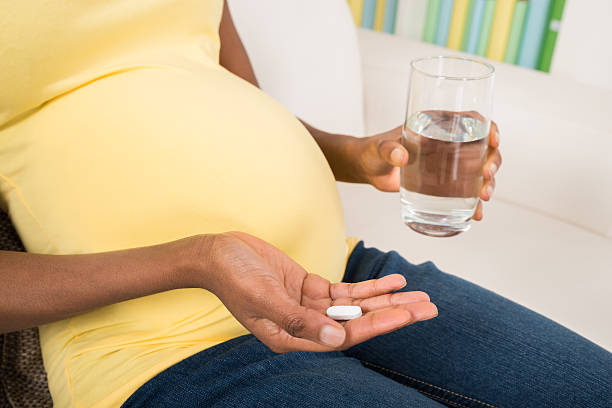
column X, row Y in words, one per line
column 293, row 324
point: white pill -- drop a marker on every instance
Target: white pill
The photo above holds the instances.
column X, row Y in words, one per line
column 344, row 312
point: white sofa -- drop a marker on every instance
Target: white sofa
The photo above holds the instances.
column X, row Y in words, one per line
column 546, row 240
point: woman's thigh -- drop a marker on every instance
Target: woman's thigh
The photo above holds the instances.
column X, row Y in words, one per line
column 482, row 350
column 244, row 373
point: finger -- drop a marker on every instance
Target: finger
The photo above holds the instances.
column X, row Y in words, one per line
column 493, row 164
column 385, row 301
column 393, row 152
column 366, row 289
column 478, row 213
column 386, row 320
column 309, row 324
column 487, row 190
column 494, row 135
column 279, row 341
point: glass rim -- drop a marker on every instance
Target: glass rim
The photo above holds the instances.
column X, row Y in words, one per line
column 488, row 74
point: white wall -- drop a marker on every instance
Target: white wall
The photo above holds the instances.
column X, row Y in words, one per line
column 584, row 49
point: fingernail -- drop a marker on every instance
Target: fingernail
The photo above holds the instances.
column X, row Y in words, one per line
column 332, row 336
column 397, row 155
column 490, row 190
column 492, row 170
column 429, row 313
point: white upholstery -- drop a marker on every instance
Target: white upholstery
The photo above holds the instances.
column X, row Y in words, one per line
column 546, row 238
column 305, row 54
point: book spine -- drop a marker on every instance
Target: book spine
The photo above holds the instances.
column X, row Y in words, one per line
column 390, row 16
column 431, row 23
column 446, row 9
column 379, row 15
column 516, row 29
column 500, row 30
column 550, row 39
column 356, row 10
column 485, row 30
column 467, row 25
column 475, row 26
column 457, row 24
column 533, row 33
column 369, row 11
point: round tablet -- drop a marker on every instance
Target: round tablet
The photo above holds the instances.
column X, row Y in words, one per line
column 344, row 312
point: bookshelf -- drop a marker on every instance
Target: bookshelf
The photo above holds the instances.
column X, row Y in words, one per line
column 521, row 32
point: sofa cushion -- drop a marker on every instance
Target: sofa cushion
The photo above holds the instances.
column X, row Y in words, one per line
column 555, row 268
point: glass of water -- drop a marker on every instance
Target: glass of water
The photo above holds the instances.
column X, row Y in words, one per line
column 446, row 134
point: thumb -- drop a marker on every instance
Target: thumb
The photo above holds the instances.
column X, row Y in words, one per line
column 305, row 323
column 393, row 153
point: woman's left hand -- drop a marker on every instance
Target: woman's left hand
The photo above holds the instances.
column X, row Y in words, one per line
column 379, row 158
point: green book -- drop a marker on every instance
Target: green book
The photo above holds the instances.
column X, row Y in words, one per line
column 487, row 22
column 466, row 27
column 550, row 38
column 431, row 21
column 516, row 30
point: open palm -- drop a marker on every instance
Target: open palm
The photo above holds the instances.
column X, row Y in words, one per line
column 284, row 306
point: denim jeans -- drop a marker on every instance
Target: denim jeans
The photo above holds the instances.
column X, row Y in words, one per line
column 481, row 351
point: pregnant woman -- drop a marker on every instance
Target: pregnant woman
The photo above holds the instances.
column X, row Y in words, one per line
column 133, row 140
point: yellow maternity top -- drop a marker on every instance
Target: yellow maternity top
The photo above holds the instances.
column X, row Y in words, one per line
column 118, row 129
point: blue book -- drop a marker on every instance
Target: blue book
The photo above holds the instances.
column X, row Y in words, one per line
column 446, row 10
column 390, row 12
column 533, row 33
column 369, row 12
column 475, row 26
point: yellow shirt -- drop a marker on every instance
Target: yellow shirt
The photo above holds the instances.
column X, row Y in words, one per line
column 118, row 128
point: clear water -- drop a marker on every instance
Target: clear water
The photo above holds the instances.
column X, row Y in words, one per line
column 440, row 184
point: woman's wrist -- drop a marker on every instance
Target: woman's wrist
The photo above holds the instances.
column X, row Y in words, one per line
column 193, row 260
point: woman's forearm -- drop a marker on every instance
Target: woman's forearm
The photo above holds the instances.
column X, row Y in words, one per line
column 38, row 289
column 337, row 149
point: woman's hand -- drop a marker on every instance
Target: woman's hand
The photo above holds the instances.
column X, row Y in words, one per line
column 378, row 160
column 284, row 306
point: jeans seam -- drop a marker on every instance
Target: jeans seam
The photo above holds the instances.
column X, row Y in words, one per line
column 446, row 401
column 429, row 385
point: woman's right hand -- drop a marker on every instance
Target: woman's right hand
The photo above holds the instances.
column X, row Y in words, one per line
column 284, row 306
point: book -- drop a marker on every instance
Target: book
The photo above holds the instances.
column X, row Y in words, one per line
column 516, row 29
column 379, row 15
column 368, row 14
column 550, row 38
column 356, row 10
column 500, row 29
column 533, row 33
column 457, row 24
column 475, row 25
column 446, row 9
column 467, row 25
column 431, row 22
column 485, row 30
column 410, row 18
column 390, row 16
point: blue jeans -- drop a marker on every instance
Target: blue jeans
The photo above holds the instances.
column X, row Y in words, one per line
column 481, row 351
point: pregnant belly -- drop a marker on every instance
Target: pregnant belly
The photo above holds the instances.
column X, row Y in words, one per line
column 153, row 155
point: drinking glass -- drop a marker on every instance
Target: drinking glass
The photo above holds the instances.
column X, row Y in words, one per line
column 446, row 135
